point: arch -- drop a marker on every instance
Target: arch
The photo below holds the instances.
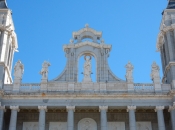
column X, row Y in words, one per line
column 87, row 124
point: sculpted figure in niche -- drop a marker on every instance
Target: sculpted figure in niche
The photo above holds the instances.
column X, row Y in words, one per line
column 129, row 72
column 18, row 70
column 44, row 71
column 87, row 69
column 155, row 71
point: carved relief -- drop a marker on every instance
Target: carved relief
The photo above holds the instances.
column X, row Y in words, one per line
column 58, row 126
column 116, row 126
column 87, row 124
column 30, row 125
column 143, row 126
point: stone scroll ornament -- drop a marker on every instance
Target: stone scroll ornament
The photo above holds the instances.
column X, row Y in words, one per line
column 87, row 69
column 44, row 71
column 129, row 72
column 18, row 70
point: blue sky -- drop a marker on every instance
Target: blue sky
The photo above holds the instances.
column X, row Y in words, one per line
column 130, row 26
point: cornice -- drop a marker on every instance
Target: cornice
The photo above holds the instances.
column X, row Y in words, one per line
column 77, row 45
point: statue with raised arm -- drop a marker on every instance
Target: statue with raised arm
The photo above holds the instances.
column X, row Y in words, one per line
column 44, row 71
column 18, row 70
column 129, row 72
column 155, row 75
column 87, row 69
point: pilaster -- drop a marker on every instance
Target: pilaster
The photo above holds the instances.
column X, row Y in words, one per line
column 132, row 120
column 70, row 117
column 2, row 110
column 172, row 113
column 42, row 116
column 103, row 110
column 160, row 117
column 13, row 119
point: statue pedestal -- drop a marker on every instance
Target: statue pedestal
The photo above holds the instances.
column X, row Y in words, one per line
column 87, row 80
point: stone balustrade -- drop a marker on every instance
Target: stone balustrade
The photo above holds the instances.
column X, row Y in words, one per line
column 120, row 87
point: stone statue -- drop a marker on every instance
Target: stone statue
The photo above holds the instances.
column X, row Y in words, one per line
column 155, row 71
column 87, row 69
column 18, row 70
column 44, row 71
column 129, row 72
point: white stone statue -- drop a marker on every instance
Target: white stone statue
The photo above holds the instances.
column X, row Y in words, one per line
column 18, row 70
column 44, row 71
column 129, row 72
column 155, row 75
column 87, row 69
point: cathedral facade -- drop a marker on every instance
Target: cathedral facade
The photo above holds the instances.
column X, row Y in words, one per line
column 110, row 103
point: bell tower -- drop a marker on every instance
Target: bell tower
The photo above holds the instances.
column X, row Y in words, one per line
column 166, row 43
column 8, row 43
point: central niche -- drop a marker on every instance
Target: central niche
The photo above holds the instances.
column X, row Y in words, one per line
column 87, row 68
column 87, row 124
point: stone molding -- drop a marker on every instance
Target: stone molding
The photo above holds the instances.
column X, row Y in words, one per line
column 131, row 108
column 42, row 108
column 159, row 108
column 103, row 108
column 69, row 108
column 167, row 68
column 171, row 108
column 15, row 108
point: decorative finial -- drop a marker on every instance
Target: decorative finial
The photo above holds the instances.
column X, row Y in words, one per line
column 102, row 41
column 71, row 41
column 87, row 25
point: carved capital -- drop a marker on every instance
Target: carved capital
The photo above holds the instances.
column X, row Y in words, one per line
column 131, row 108
column 159, row 108
column 42, row 108
column 15, row 108
column 103, row 108
column 70, row 108
column 2, row 107
column 171, row 107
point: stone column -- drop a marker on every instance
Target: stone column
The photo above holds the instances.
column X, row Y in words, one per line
column 2, row 110
column 42, row 116
column 160, row 117
column 13, row 118
column 132, row 120
column 70, row 117
column 172, row 113
column 103, row 110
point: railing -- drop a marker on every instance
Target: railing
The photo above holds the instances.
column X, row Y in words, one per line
column 28, row 87
column 147, row 87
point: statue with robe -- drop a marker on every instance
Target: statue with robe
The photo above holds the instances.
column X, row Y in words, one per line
column 129, row 72
column 87, row 69
column 18, row 70
column 44, row 71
